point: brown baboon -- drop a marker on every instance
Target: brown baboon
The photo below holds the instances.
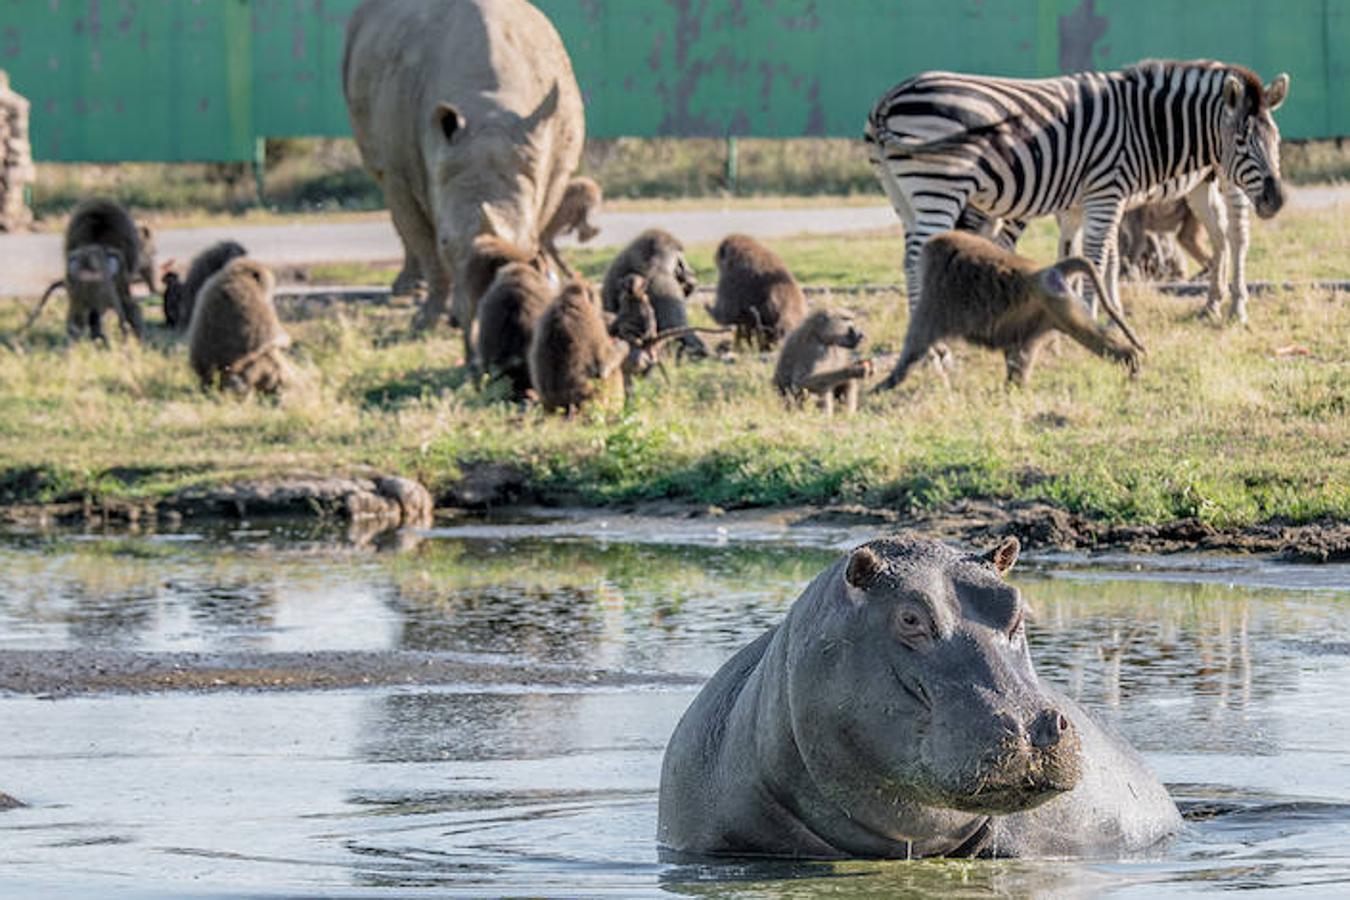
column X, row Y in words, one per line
column 572, row 358
column 106, row 224
column 206, row 264
column 755, row 293
column 657, row 256
column 815, row 360
column 580, row 201
column 235, row 338
column 1143, row 231
column 507, row 315
column 91, row 286
column 635, row 325
column 992, row 297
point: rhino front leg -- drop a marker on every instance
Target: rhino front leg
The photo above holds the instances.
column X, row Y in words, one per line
column 419, row 245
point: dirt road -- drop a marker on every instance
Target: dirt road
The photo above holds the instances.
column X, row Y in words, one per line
column 28, row 262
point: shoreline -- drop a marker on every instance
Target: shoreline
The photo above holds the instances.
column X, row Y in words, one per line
column 371, row 507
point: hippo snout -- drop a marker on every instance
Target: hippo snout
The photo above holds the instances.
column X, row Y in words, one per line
column 1048, row 728
column 1271, row 199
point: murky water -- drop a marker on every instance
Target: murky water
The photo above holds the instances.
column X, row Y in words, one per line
column 1230, row 675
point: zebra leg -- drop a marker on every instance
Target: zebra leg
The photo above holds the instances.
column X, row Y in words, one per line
column 1239, row 218
column 1101, row 226
column 1204, row 201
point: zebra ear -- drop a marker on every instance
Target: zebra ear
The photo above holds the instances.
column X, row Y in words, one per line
column 1232, row 93
column 1277, row 90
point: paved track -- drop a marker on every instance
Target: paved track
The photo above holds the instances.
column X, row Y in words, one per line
column 29, row 262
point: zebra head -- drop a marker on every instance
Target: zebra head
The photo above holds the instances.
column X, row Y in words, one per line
column 1250, row 139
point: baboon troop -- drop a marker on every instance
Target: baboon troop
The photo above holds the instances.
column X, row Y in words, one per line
column 976, row 290
column 814, row 362
column 181, row 300
column 507, row 315
column 756, row 294
column 235, row 338
column 572, row 358
column 580, row 201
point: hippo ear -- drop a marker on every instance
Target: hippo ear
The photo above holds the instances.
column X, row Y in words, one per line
column 863, row 567
column 1004, row 556
column 448, row 120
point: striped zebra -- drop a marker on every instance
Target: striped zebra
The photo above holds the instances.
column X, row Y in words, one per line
column 965, row 151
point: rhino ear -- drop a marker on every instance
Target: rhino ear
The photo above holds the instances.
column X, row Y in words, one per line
column 448, row 120
column 863, row 567
column 1004, row 556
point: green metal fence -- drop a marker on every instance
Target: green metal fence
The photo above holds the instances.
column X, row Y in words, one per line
column 204, row 79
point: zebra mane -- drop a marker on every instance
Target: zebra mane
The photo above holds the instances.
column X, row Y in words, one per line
column 1153, row 70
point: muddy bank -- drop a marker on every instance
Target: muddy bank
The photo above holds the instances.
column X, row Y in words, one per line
column 375, row 507
column 62, row 673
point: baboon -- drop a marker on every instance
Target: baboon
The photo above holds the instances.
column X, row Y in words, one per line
column 815, row 360
column 173, row 295
column 755, row 293
column 572, row 358
column 992, row 297
column 106, row 224
column 490, row 254
column 1144, row 230
column 91, row 285
column 235, row 338
column 657, row 256
column 580, row 201
column 635, row 325
column 507, row 315
column 178, row 311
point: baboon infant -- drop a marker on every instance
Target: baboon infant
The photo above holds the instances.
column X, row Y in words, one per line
column 572, row 358
column 992, row 297
column 635, row 325
column 580, row 201
column 658, row 256
column 815, row 360
column 91, row 288
column 755, row 293
column 235, row 339
column 507, row 315
column 1146, row 234
column 180, row 300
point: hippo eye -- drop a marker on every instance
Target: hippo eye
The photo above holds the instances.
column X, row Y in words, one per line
column 913, row 627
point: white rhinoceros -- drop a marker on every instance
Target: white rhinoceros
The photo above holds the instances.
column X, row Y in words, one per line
column 467, row 114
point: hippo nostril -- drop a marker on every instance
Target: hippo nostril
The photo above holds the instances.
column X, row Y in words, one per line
column 1047, row 728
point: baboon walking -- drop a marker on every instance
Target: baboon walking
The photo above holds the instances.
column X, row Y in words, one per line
column 756, row 294
column 235, row 338
column 815, row 361
column 580, row 201
column 992, row 297
column 572, row 358
column 102, row 244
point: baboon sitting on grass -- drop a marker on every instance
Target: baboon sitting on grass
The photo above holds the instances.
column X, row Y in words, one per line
column 235, row 340
column 572, row 358
column 815, row 361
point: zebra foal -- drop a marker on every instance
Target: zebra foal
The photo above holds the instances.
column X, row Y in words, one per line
column 955, row 149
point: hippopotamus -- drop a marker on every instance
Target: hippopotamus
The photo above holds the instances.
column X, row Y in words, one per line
column 468, row 115
column 895, row 713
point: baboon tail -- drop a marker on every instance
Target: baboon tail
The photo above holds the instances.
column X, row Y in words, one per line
column 33, row 317
column 1082, row 266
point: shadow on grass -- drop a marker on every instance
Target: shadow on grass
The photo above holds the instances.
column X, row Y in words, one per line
column 414, row 386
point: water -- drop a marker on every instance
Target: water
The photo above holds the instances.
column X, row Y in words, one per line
column 1229, row 674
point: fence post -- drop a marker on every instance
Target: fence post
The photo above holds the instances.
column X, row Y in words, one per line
column 732, row 164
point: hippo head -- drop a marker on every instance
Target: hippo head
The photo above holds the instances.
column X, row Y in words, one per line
column 488, row 176
column 915, row 688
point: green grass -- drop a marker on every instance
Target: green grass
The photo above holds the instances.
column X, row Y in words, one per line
column 1221, row 425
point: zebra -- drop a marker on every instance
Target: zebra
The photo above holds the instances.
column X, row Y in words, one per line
column 964, row 151
column 1223, row 209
